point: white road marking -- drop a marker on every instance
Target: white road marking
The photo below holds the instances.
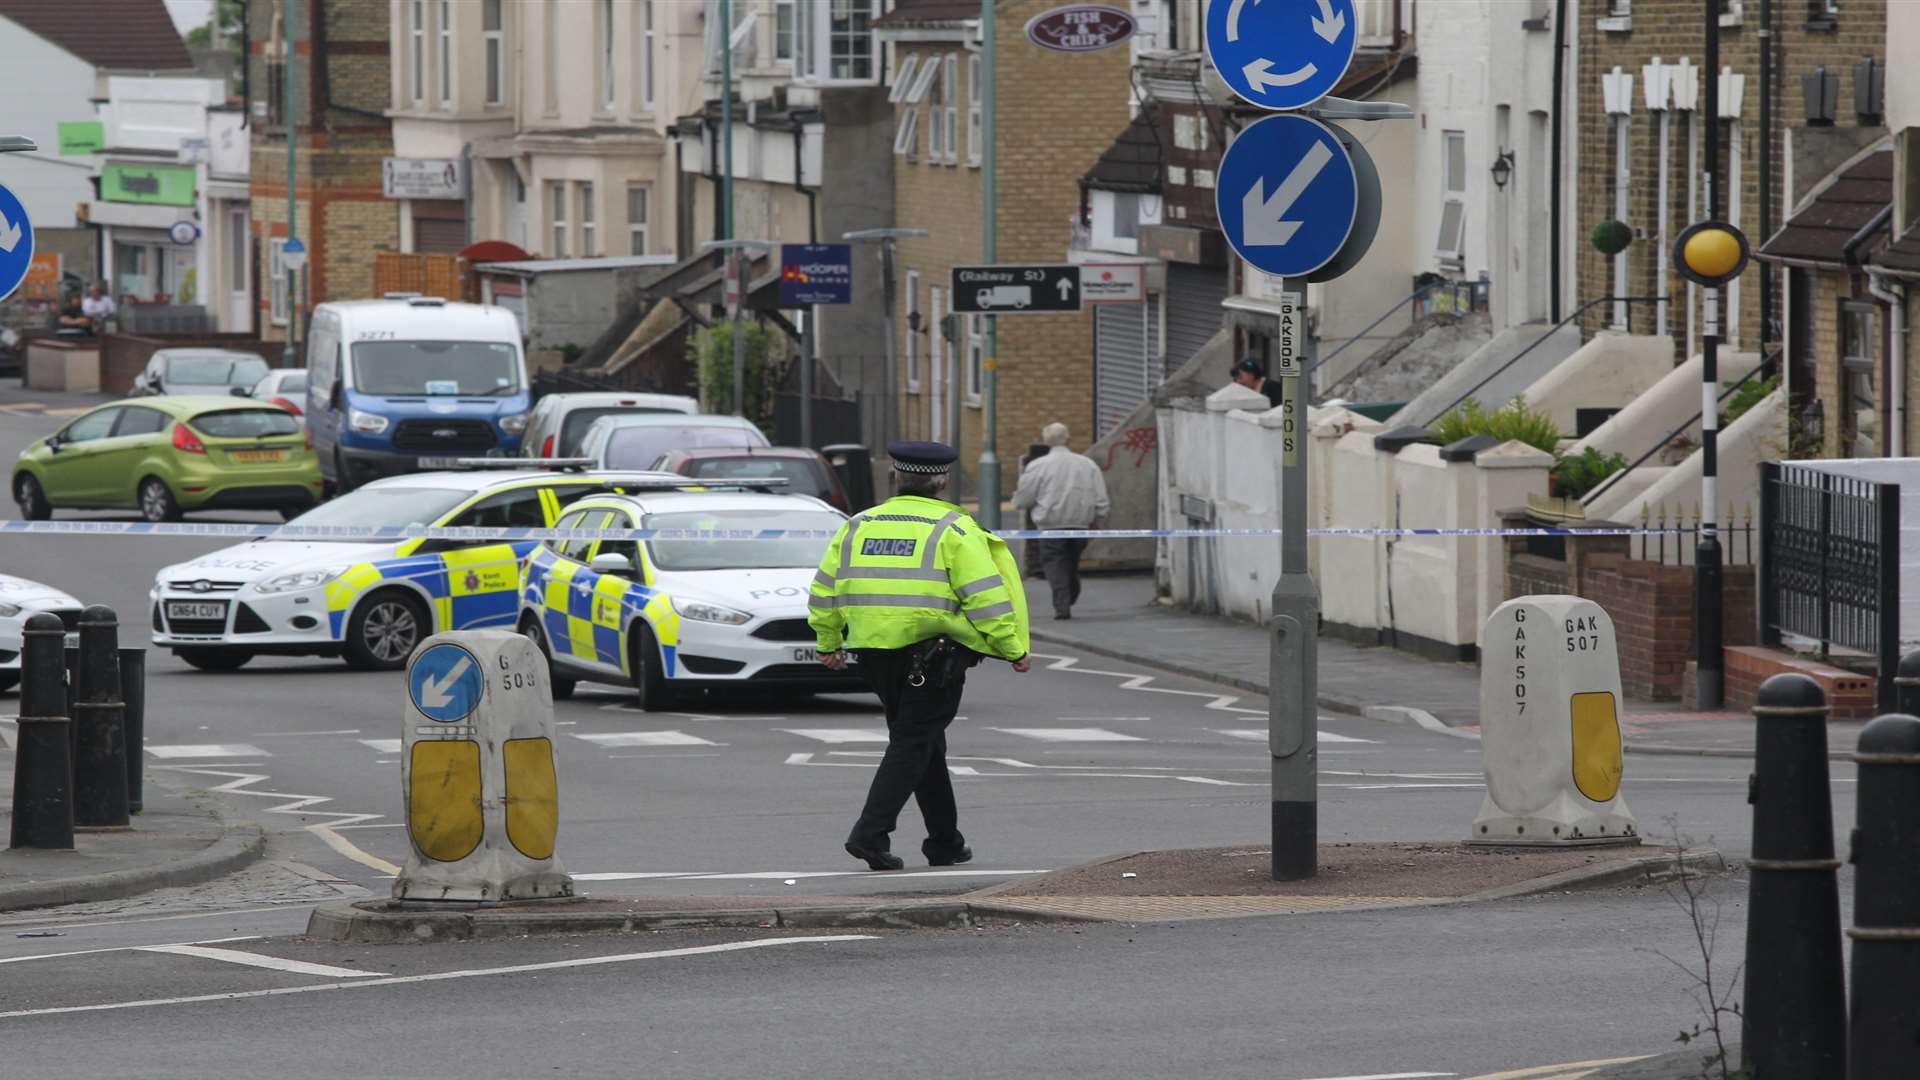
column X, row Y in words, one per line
column 1068, row 734
column 630, row 757
column 1260, row 735
column 781, row 875
column 807, row 759
column 840, row 735
column 381, row 746
column 646, row 738
column 304, row 734
column 399, row 980
column 241, row 783
column 376, row 825
column 271, row 963
column 1130, row 681
column 123, row 948
column 71, row 922
column 207, row 750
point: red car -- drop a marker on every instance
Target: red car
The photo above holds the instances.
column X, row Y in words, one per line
column 805, row 471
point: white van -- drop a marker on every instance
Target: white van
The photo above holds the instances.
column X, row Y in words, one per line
column 392, row 381
column 560, row 421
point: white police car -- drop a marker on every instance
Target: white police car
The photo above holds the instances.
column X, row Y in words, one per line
column 370, row 601
column 20, row 600
column 672, row 616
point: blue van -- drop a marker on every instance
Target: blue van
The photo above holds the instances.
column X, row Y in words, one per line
column 392, row 381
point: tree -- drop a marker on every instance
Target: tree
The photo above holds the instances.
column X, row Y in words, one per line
column 223, row 28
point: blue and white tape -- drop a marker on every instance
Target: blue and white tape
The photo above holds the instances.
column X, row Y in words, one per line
column 377, row 533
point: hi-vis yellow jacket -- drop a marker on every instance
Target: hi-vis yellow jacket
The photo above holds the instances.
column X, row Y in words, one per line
column 915, row 568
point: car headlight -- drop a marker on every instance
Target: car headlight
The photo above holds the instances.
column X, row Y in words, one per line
column 8, row 611
column 297, row 581
column 371, row 423
column 515, row 424
column 701, row 611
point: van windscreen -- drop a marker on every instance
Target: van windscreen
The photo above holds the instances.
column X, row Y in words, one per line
column 407, row 368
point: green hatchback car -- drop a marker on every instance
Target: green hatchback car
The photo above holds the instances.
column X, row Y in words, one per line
column 164, row 456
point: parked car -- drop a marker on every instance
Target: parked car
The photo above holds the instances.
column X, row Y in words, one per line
column 805, row 471
column 165, row 456
column 285, row 387
column 560, row 421
column 198, row 371
column 636, row 441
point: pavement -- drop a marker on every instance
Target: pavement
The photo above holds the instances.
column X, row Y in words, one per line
column 1118, row 617
column 177, row 839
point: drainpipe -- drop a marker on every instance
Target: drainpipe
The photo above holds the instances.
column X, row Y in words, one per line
column 466, row 196
column 799, row 185
column 1895, row 297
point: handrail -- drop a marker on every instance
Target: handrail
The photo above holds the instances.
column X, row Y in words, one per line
column 1676, row 432
column 1384, row 316
column 1579, row 311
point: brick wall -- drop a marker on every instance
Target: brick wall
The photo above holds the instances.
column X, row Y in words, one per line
column 1045, row 361
column 1850, row 695
column 1670, row 29
column 1532, row 575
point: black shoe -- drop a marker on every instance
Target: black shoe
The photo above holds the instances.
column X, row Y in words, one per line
column 1060, row 615
column 949, row 857
column 875, row 858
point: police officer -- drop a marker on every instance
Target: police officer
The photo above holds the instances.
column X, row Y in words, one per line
column 918, row 592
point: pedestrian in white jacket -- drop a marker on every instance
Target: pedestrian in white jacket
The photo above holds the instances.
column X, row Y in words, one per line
column 1062, row 490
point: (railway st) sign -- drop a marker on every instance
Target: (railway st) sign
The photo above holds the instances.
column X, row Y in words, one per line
column 1015, row 290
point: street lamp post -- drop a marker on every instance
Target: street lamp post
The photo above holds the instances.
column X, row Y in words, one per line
column 742, row 270
column 885, row 237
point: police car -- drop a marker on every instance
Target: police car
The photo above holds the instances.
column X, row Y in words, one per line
column 370, row 602
column 670, row 616
column 20, row 600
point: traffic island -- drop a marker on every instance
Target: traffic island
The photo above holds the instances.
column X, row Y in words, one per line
column 390, row 921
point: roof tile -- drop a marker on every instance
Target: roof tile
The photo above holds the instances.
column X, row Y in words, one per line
column 133, row 35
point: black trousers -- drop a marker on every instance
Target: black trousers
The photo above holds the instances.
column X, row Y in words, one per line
column 1060, row 561
column 915, row 763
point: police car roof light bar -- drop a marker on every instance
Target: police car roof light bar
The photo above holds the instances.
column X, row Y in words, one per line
column 695, row 483
column 557, row 464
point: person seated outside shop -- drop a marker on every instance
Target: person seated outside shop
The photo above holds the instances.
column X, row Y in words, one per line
column 73, row 316
column 99, row 307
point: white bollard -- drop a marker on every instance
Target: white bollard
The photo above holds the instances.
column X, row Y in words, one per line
column 482, row 792
column 1550, row 726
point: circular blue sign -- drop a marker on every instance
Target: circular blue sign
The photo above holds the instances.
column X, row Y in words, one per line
column 445, row 683
column 1287, row 195
column 1282, row 54
column 16, row 243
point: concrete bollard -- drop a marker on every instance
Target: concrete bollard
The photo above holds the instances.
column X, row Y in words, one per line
column 133, row 692
column 100, row 770
column 43, row 763
column 1883, row 1036
column 1794, row 1018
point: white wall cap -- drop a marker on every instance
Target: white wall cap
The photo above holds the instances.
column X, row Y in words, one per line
column 1513, row 454
column 1236, row 398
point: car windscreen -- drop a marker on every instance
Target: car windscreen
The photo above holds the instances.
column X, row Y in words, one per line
column 740, row 554
column 640, row 447
column 404, row 368
column 294, row 384
column 574, row 429
column 245, row 423
column 799, row 473
column 215, row 370
column 385, row 506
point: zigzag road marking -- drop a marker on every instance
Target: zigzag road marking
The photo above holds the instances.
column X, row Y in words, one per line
column 241, row 783
column 1130, row 681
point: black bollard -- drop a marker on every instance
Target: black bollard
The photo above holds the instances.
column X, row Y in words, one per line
column 133, row 692
column 1883, row 1037
column 42, row 762
column 70, row 655
column 1794, row 1020
column 100, row 772
column 1906, row 684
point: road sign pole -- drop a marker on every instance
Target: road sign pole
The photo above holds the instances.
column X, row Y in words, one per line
column 806, row 376
column 290, row 353
column 989, row 486
column 1706, row 555
column 1292, row 713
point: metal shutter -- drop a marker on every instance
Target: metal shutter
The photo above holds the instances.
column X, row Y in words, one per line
column 439, row 235
column 1194, row 314
column 1120, row 369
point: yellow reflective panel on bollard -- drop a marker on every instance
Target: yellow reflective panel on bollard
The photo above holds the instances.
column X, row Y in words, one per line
column 532, row 795
column 1596, row 746
column 443, row 799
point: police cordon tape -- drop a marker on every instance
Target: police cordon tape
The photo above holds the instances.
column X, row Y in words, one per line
column 510, row 535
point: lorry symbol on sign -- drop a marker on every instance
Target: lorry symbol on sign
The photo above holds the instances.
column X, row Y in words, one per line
column 1013, row 296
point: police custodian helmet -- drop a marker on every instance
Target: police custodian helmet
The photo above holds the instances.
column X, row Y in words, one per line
column 923, row 458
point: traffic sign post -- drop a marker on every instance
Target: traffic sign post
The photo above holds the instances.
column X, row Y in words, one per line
column 16, row 243
column 481, row 791
column 1016, row 290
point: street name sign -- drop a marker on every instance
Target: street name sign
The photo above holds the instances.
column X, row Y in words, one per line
column 1281, row 54
column 1016, row 290
column 816, row 274
column 16, row 243
column 1287, row 195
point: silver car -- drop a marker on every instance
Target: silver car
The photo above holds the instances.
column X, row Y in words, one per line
column 20, row 600
column 199, row 371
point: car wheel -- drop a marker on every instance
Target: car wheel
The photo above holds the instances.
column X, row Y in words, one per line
column 384, row 631
column 652, row 688
column 214, row 659
column 31, row 498
column 562, row 686
column 157, row 503
column 8, row 679
column 342, row 480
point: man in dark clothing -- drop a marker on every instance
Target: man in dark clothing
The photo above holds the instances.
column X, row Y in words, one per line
column 1248, row 374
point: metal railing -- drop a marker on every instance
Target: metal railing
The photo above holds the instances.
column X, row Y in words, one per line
column 1672, row 533
column 1578, row 312
column 1667, row 439
column 1830, row 564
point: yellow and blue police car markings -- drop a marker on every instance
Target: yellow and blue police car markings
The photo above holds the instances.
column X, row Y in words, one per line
column 589, row 619
column 465, row 595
